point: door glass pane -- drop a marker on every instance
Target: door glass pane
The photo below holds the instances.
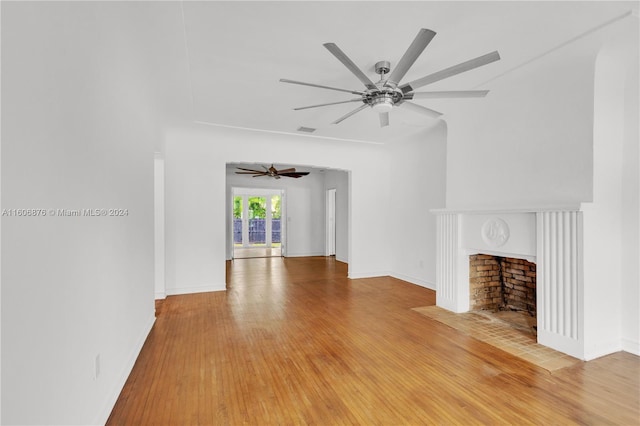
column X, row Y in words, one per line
column 257, row 216
column 275, row 220
column 237, row 220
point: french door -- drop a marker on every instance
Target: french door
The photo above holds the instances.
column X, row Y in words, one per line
column 257, row 222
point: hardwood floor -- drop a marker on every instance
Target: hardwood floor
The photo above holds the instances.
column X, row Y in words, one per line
column 251, row 252
column 293, row 341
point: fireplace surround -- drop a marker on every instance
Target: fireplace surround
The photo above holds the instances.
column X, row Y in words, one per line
column 549, row 237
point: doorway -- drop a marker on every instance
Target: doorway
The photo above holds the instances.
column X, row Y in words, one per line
column 330, row 225
column 258, row 229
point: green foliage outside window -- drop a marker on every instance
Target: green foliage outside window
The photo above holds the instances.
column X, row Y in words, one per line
column 257, row 205
column 275, row 207
column 237, row 207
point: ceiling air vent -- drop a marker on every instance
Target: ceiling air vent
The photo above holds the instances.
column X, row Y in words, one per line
column 306, row 129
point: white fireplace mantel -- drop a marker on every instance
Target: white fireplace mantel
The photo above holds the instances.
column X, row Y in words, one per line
column 550, row 236
column 505, row 209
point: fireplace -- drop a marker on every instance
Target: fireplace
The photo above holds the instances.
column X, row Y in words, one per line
column 549, row 240
column 498, row 283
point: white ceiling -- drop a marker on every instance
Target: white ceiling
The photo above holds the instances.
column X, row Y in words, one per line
column 239, row 50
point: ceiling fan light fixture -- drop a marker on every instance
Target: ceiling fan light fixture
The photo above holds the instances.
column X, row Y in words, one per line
column 382, row 102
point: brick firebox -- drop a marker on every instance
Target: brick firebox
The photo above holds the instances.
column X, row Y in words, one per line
column 502, row 283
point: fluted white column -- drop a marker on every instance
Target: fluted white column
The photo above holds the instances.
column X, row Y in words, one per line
column 559, row 281
column 450, row 268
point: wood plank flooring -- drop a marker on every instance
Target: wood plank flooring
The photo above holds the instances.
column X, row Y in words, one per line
column 251, row 252
column 293, row 341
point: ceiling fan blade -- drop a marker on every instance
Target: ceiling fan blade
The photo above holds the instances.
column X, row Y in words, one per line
column 250, row 170
column 291, row 170
column 423, row 38
column 451, row 71
column 447, row 94
column 302, row 83
column 384, row 119
column 335, row 50
column 344, row 117
column 421, row 110
column 251, row 173
column 330, row 103
column 294, row 175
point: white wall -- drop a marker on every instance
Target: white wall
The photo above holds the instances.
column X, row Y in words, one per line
column 80, row 118
column 195, row 227
column 418, row 173
column 195, row 181
column 611, row 222
column 602, row 225
column 528, row 143
column 631, row 211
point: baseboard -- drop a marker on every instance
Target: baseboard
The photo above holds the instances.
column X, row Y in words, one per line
column 416, row 281
column 196, row 289
column 371, row 274
column 113, row 396
column 633, row 347
column 312, row 254
column 602, row 349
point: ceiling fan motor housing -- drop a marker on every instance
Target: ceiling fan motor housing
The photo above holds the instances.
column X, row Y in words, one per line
column 383, row 98
column 382, row 102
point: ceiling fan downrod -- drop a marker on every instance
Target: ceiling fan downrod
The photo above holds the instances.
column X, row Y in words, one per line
column 382, row 68
column 382, row 98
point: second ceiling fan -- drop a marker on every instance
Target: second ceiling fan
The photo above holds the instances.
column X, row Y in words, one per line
column 272, row 172
column 388, row 93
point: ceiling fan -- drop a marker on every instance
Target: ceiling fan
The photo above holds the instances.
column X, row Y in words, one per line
column 388, row 93
column 273, row 172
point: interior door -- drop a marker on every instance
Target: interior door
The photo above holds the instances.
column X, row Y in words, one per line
column 330, row 218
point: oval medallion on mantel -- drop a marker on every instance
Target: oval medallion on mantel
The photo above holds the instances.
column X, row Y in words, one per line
column 495, row 232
